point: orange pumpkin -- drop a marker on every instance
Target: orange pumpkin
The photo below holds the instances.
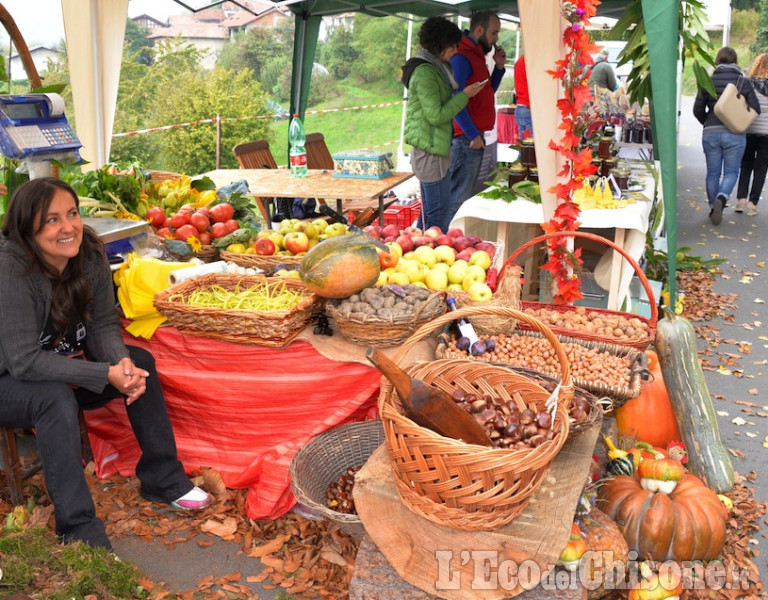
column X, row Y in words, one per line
column 687, row 524
column 649, row 416
column 658, row 587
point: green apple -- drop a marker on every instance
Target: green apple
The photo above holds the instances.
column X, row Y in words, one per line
column 395, row 249
column 420, row 284
column 383, row 278
column 285, row 230
column 321, row 224
column 441, row 266
column 277, row 239
column 286, row 223
column 456, row 287
column 408, row 255
column 480, row 292
column 480, row 258
column 475, row 274
column 445, row 254
column 335, row 229
column 458, row 271
column 265, row 233
column 437, row 279
column 399, row 279
column 425, row 255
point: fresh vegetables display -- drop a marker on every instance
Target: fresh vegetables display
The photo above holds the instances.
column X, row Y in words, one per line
column 109, row 192
column 295, row 237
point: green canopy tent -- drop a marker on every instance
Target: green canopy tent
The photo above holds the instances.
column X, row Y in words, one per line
column 541, row 17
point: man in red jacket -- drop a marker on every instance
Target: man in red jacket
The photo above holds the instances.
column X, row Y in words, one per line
column 469, row 66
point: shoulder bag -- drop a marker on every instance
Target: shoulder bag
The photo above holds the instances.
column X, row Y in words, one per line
column 732, row 108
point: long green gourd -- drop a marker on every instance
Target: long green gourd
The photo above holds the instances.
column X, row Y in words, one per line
column 691, row 403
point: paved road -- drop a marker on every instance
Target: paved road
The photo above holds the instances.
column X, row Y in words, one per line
column 738, row 238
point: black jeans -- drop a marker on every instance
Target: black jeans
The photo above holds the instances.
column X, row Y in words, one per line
column 754, row 165
column 51, row 409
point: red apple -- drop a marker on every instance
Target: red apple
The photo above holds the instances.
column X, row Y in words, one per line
column 455, row 232
column 465, row 254
column 462, row 242
column 433, row 232
column 405, row 242
column 374, row 231
column 390, row 230
column 421, row 240
column 413, row 231
column 487, row 246
column 387, row 259
column 296, row 242
column 264, row 246
column 475, row 239
column 390, row 238
column 444, row 240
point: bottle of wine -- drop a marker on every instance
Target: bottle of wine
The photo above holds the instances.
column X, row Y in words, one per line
column 463, row 325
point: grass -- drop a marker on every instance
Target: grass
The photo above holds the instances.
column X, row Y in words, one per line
column 349, row 129
column 35, row 563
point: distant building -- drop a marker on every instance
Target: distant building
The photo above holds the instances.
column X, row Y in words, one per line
column 210, row 29
column 40, row 56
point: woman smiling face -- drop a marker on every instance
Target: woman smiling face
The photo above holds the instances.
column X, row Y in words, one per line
column 60, row 231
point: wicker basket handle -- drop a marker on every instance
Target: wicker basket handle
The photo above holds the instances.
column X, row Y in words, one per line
column 595, row 238
column 470, row 311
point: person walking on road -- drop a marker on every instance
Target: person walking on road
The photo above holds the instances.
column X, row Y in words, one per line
column 479, row 117
column 754, row 164
column 722, row 149
column 434, row 99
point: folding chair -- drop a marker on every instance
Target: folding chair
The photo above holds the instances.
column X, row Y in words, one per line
column 257, row 155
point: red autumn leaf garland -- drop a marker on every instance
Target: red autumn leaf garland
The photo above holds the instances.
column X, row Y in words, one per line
column 578, row 163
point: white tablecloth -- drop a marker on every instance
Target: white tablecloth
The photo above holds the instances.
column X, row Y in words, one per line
column 481, row 216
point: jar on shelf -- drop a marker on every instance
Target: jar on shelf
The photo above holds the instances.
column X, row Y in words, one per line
column 528, row 153
column 517, row 172
column 533, row 174
column 609, row 131
column 621, row 173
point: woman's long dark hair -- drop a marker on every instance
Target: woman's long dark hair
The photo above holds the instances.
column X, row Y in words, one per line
column 24, row 219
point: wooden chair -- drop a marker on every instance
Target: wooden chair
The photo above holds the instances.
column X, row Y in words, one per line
column 318, row 155
column 12, row 465
column 257, row 155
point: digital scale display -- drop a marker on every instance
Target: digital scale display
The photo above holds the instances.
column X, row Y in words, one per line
column 23, row 111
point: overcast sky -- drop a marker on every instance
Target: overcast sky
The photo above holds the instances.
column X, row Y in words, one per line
column 41, row 24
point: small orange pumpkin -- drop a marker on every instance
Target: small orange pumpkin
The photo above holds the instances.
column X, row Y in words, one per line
column 658, row 587
column 649, row 416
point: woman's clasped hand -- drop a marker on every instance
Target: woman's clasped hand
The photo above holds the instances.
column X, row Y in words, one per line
column 62, row 351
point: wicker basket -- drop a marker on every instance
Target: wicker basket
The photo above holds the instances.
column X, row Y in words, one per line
column 257, row 261
column 642, row 342
column 325, row 457
column 507, row 295
column 375, row 331
column 618, row 394
column 461, row 485
column 208, row 253
column 274, row 329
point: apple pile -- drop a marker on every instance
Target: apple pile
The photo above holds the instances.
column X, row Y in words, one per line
column 294, row 237
column 204, row 224
column 436, row 260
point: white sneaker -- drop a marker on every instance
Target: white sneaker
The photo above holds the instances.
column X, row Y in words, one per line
column 752, row 209
column 741, row 204
column 194, row 499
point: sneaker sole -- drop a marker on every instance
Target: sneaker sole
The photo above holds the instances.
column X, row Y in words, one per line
column 717, row 213
column 192, row 504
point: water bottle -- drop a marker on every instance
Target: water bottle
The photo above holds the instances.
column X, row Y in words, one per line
column 463, row 325
column 298, row 153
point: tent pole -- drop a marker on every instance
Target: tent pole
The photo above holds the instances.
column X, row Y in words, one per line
column 401, row 147
column 98, row 66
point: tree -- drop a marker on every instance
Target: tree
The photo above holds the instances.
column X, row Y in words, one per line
column 339, row 53
column 380, row 43
column 136, row 42
column 761, row 40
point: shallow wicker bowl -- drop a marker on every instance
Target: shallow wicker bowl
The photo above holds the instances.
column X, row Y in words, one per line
column 325, row 457
column 275, row 328
column 382, row 333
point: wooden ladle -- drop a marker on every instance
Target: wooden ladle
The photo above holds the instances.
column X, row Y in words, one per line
column 428, row 406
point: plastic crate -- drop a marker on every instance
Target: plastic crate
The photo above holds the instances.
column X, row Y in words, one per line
column 402, row 215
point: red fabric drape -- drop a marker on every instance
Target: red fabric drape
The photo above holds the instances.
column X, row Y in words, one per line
column 242, row 410
column 506, row 126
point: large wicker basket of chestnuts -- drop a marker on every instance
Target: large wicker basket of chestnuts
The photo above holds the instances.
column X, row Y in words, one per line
column 467, row 486
column 323, row 471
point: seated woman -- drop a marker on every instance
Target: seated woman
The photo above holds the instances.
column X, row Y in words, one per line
column 61, row 350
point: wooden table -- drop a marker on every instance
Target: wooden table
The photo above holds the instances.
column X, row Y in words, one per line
column 269, row 183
